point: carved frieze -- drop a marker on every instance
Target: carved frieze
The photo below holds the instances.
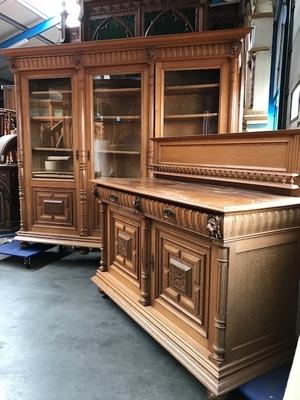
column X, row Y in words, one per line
column 205, row 50
column 108, row 9
column 133, row 6
column 40, row 62
column 169, row 3
column 114, row 57
column 237, row 225
column 283, row 180
column 119, row 55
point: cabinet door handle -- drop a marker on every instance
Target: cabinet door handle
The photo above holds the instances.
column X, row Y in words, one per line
column 114, row 198
column 77, row 155
column 168, row 213
column 88, row 156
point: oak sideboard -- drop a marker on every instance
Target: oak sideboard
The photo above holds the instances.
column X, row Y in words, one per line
column 204, row 255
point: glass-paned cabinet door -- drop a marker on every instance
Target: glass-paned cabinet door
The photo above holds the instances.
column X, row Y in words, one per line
column 117, row 125
column 51, row 129
column 190, row 102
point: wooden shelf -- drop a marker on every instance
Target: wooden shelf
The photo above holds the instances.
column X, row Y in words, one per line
column 114, row 118
column 129, row 152
column 191, row 116
column 182, row 88
column 50, row 118
column 49, row 92
column 53, row 174
column 52, row 149
column 118, row 91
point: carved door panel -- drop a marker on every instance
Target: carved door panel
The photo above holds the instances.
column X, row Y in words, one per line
column 181, row 278
column 124, row 233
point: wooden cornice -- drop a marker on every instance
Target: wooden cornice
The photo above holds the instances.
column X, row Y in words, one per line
column 196, row 38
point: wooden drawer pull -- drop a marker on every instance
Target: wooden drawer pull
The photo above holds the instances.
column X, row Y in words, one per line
column 168, row 213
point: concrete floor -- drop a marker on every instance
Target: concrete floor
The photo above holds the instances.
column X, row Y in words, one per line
column 61, row 340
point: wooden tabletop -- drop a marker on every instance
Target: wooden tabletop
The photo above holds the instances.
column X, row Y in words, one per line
column 216, row 198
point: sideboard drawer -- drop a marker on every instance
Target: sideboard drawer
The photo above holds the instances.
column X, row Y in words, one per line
column 171, row 213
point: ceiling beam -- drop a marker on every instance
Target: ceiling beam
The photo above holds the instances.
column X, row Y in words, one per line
column 23, row 28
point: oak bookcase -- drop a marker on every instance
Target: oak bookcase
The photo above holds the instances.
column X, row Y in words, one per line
column 87, row 110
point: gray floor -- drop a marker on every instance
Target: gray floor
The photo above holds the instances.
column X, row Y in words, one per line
column 61, row 340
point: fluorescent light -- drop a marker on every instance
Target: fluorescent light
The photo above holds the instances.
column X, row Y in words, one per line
column 73, row 9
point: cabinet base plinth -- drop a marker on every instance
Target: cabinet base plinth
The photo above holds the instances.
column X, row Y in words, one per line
column 212, row 396
column 58, row 240
column 218, row 380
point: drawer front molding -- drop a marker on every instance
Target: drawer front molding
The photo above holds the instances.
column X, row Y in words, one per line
column 55, row 208
column 186, row 218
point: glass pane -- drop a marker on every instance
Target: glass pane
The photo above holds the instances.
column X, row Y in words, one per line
column 191, row 102
column 50, row 102
column 117, row 125
column 122, row 26
column 164, row 22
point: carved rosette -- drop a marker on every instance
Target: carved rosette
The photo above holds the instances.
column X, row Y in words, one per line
column 151, row 55
column 124, row 246
column 137, row 205
column 96, row 191
column 13, row 64
column 236, row 48
column 180, row 276
column 76, row 60
column 215, row 226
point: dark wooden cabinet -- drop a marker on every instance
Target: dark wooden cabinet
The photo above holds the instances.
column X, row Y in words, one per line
column 9, row 198
column 115, row 19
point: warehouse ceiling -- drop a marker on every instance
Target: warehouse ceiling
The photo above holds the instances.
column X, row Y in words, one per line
column 17, row 16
